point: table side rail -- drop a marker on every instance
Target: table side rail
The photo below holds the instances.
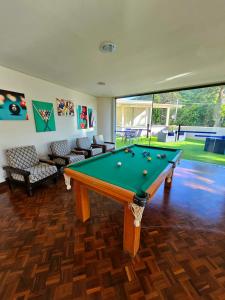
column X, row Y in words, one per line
column 159, row 180
column 100, row 186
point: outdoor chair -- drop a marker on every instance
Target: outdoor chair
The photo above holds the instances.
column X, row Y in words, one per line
column 129, row 135
column 84, row 143
column 24, row 167
column 138, row 134
column 106, row 146
column 62, row 154
column 165, row 136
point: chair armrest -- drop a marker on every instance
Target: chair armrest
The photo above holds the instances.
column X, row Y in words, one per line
column 79, row 152
column 52, row 157
column 10, row 170
column 97, row 145
column 88, row 151
column 47, row 161
column 109, row 143
column 100, row 146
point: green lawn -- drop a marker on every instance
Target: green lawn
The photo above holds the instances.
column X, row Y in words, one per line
column 192, row 149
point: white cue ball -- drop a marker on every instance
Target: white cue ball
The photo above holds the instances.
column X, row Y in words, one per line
column 145, row 172
column 119, row 164
column 158, row 155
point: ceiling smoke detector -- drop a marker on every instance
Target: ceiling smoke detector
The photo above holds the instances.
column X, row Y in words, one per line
column 101, row 83
column 108, row 47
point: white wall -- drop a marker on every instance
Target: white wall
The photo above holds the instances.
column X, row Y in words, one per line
column 106, row 117
column 18, row 133
column 220, row 131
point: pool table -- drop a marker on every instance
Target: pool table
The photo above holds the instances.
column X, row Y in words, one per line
column 126, row 183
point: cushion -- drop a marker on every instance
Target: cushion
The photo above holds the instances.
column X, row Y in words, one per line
column 60, row 148
column 84, row 143
column 72, row 159
column 22, row 157
column 109, row 146
column 98, row 139
column 96, row 151
column 37, row 172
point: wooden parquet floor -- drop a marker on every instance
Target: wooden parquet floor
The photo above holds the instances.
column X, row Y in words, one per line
column 45, row 253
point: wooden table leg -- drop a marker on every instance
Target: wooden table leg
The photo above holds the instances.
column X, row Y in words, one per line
column 168, row 180
column 131, row 234
column 82, row 201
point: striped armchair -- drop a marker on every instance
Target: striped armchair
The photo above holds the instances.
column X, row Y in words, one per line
column 106, row 146
column 24, row 167
column 85, row 144
column 62, row 154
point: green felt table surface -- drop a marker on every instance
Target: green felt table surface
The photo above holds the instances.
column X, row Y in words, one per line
column 130, row 174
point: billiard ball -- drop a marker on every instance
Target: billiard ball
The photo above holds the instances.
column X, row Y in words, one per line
column 2, row 98
column 145, row 172
column 149, row 158
column 14, row 109
column 133, row 154
column 163, row 155
column 158, row 155
column 126, row 150
column 23, row 104
column 1, row 103
column 11, row 97
column 119, row 164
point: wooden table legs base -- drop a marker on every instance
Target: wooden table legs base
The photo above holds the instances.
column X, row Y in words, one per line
column 83, row 211
column 131, row 234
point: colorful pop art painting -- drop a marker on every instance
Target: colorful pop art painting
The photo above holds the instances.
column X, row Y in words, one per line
column 82, row 118
column 91, row 118
column 12, row 106
column 65, row 107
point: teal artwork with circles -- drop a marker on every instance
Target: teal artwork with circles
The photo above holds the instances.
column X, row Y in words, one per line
column 12, row 106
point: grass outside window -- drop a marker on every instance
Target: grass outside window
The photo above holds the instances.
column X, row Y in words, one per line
column 192, row 149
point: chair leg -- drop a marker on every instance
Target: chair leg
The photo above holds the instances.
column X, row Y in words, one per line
column 29, row 191
column 9, row 183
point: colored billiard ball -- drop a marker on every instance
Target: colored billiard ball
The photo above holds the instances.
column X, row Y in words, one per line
column 158, row 155
column 1, row 103
column 163, row 155
column 145, row 172
column 149, row 158
column 14, row 109
column 119, row 164
column 23, row 104
column 11, row 97
column 2, row 98
column 126, row 150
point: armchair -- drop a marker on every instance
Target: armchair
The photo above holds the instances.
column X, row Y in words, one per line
column 62, row 154
column 85, row 144
column 106, row 146
column 24, row 167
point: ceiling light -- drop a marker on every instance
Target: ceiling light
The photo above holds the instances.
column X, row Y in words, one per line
column 107, row 47
column 101, row 83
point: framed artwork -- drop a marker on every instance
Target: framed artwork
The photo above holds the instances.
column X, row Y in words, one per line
column 43, row 116
column 12, row 106
column 82, row 120
column 91, row 118
column 65, row 107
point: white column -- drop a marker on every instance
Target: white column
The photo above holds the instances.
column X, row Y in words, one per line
column 167, row 116
column 122, row 116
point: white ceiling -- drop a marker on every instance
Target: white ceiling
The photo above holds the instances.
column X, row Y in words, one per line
column 58, row 40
